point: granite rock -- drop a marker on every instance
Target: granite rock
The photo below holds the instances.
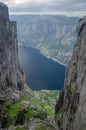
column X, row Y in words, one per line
column 70, row 110
column 11, row 75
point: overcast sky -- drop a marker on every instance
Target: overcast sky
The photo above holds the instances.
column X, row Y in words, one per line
column 67, row 7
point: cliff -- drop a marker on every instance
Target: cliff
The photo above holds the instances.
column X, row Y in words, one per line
column 70, row 110
column 19, row 109
column 11, row 75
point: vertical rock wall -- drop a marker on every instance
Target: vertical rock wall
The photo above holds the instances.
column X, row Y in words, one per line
column 70, row 110
column 11, row 76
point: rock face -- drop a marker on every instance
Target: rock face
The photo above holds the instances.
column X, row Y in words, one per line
column 70, row 111
column 11, row 76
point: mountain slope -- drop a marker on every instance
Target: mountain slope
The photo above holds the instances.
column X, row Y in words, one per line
column 70, row 111
column 53, row 35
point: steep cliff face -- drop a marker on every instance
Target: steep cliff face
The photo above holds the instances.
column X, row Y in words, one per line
column 11, row 76
column 70, row 111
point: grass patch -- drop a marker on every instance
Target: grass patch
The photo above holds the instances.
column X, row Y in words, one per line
column 40, row 106
column 18, row 128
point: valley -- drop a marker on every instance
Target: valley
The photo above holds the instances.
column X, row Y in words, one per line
column 30, row 82
column 53, row 35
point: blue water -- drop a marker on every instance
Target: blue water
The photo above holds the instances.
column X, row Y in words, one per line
column 41, row 72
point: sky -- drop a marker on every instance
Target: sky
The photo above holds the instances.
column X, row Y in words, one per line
column 63, row 7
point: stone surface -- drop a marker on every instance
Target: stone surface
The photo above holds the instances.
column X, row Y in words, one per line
column 4, row 12
column 11, row 75
column 36, row 124
column 70, row 111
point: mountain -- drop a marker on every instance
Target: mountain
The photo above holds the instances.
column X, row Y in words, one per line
column 70, row 111
column 11, row 76
column 18, row 111
column 41, row 72
column 19, row 108
column 53, row 35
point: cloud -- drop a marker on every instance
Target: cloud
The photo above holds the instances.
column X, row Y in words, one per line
column 68, row 7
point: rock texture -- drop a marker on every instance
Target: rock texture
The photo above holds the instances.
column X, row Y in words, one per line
column 11, row 75
column 70, row 113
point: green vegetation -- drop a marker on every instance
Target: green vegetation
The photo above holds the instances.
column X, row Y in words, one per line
column 61, row 111
column 12, row 112
column 40, row 128
column 70, row 90
column 40, row 106
column 45, row 101
column 12, row 109
column 18, row 128
column 29, row 114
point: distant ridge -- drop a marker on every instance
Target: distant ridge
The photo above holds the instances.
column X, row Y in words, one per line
column 53, row 35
